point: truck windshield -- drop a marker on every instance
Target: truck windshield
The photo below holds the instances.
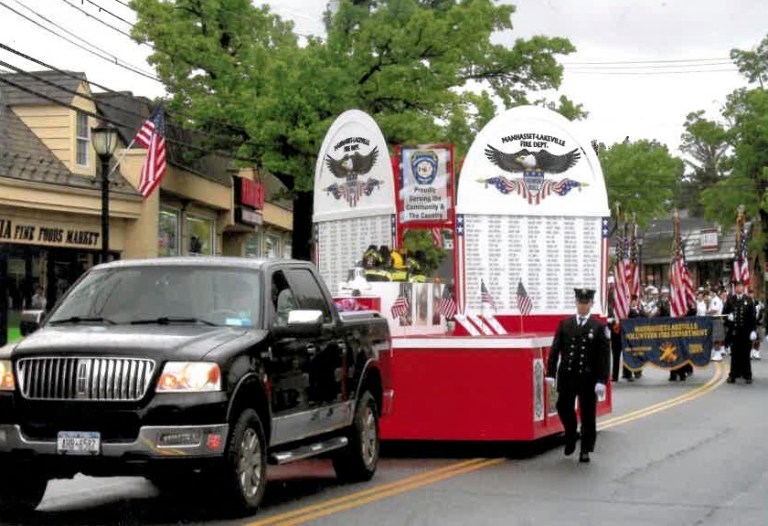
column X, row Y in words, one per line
column 164, row 294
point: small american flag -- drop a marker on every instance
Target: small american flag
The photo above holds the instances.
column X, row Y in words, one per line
column 437, row 237
column 151, row 136
column 400, row 306
column 485, row 296
column 524, row 302
column 447, row 305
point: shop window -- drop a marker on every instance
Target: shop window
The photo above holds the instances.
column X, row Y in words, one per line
column 200, row 232
column 168, row 233
column 83, row 139
column 272, row 248
column 287, row 253
column 253, row 245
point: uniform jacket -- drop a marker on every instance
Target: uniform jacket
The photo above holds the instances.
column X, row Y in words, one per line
column 583, row 354
column 744, row 320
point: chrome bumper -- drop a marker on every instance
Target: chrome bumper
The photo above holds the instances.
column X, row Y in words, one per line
column 12, row 439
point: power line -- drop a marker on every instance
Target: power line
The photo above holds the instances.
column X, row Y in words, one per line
column 99, row 20
column 103, row 118
column 10, row 68
column 618, row 62
column 110, row 13
column 105, row 56
column 101, row 86
column 640, row 73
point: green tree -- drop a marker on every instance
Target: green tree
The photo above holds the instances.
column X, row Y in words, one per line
column 425, row 70
column 706, row 143
column 641, row 177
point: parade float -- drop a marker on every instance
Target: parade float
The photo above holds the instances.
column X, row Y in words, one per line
column 530, row 224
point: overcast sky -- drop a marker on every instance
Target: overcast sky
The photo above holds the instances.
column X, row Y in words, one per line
column 641, row 65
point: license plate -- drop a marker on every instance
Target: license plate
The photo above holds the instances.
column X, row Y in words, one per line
column 78, row 443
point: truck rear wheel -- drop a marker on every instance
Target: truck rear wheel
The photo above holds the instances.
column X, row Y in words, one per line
column 20, row 493
column 357, row 462
column 243, row 475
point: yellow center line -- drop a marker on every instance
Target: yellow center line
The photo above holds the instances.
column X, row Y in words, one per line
column 716, row 379
column 428, row 475
column 390, row 493
column 379, row 492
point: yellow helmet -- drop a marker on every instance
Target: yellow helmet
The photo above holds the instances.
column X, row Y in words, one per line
column 397, row 260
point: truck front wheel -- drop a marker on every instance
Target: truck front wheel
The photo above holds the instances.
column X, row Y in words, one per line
column 244, row 473
column 357, row 462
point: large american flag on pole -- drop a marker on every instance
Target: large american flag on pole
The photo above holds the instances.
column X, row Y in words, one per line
column 151, row 136
column 741, row 256
column 621, row 272
column 634, row 264
column 681, row 293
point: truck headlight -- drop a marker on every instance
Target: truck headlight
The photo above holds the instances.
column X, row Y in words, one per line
column 189, row 377
column 7, row 381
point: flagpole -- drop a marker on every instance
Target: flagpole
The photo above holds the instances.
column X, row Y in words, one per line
column 122, row 156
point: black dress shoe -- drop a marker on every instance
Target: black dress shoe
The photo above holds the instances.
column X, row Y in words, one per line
column 731, row 380
column 570, row 447
column 583, row 456
column 748, row 380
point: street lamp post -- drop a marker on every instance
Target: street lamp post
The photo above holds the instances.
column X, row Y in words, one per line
column 104, row 139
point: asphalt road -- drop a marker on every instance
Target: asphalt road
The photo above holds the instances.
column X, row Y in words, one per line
column 671, row 453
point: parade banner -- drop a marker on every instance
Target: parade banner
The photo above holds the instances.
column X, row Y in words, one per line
column 668, row 343
column 425, row 194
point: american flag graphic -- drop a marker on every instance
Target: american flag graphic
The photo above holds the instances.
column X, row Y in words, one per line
column 485, row 296
column 741, row 257
column 460, row 248
column 400, row 306
column 151, row 136
column 524, row 302
column 447, row 305
column 518, row 186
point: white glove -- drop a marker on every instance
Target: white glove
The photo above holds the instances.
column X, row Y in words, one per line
column 550, row 381
column 599, row 389
column 730, row 317
column 752, row 336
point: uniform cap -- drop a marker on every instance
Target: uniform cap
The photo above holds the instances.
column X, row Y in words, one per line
column 584, row 295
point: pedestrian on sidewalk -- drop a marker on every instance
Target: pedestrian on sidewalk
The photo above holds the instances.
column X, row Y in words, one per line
column 579, row 359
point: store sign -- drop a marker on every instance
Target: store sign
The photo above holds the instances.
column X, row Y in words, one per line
column 13, row 231
column 247, row 217
column 709, row 240
column 249, row 193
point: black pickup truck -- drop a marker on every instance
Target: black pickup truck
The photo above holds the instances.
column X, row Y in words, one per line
column 192, row 369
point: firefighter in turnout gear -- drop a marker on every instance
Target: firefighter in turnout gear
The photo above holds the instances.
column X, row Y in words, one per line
column 742, row 330
column 580, row 360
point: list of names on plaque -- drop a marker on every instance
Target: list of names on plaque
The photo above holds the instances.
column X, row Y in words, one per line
column 549, row 256
column 341, row 244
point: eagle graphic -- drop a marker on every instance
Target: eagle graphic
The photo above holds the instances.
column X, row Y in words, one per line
column 526, row 160
column 350, row 166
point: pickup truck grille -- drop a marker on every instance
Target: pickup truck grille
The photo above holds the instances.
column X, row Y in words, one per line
column 102, row 379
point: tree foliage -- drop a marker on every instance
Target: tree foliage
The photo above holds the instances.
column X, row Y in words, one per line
column 706, row 144
column 425, row 70
column 640, row 177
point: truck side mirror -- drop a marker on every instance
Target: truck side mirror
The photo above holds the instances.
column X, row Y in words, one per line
column 30, row 321
column 301, row 324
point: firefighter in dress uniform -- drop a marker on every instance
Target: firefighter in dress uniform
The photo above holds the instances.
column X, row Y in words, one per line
column 742, row 326
column 580, row 360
